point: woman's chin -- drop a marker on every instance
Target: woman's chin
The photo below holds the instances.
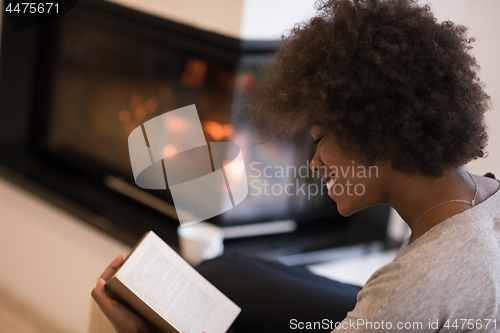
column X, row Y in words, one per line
column 345, row 209
column 344, row 205
column 341, row 208
column 343, row 212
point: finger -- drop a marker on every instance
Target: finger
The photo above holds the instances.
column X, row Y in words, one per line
column 107, row 305
column 100, row 296
column 111, row 269
column 121, row 317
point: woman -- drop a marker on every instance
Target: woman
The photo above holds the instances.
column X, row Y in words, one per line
column 379, row 83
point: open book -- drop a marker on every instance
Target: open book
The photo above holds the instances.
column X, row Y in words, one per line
column 168, row 292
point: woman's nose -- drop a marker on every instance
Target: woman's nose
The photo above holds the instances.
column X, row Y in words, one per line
column 315, row 164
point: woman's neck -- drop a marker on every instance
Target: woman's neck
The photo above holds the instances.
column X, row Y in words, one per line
column 420, row 199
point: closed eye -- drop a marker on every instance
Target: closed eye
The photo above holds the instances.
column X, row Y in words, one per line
column 318, row 140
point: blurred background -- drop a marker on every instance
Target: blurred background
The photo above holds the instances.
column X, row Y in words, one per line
column 72, row 89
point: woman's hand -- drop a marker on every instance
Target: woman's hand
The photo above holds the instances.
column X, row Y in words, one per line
column 123, row 319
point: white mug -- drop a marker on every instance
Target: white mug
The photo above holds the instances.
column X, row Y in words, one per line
column 200, row 241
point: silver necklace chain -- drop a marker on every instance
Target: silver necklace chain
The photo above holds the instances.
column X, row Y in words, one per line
column 471, row 203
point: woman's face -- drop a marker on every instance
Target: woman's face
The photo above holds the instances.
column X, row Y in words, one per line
column 352, row 185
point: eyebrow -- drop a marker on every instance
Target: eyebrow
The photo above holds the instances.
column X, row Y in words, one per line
column 318, row 140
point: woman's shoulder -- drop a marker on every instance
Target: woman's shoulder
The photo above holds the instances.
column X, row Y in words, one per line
column 431, row 284
column 469, row 234
column 443, row 273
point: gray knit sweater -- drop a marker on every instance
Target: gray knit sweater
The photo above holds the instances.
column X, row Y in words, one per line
column 447, row 280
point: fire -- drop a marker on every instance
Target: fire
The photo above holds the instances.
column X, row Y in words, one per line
column 218, row 131
column 176, row 124
column 194, row 73
column 169, row 150
column 124, row 116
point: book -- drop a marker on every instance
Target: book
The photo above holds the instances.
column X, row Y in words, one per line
column 168, row 292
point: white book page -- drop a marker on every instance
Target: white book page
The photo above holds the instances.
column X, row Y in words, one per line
column 175, row 290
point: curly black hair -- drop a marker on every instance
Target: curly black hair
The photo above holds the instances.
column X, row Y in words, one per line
column 385, row 78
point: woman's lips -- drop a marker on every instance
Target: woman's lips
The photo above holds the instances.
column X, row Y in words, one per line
column 330, row 183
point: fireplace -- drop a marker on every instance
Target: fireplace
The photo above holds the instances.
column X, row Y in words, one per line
column 73, row 89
